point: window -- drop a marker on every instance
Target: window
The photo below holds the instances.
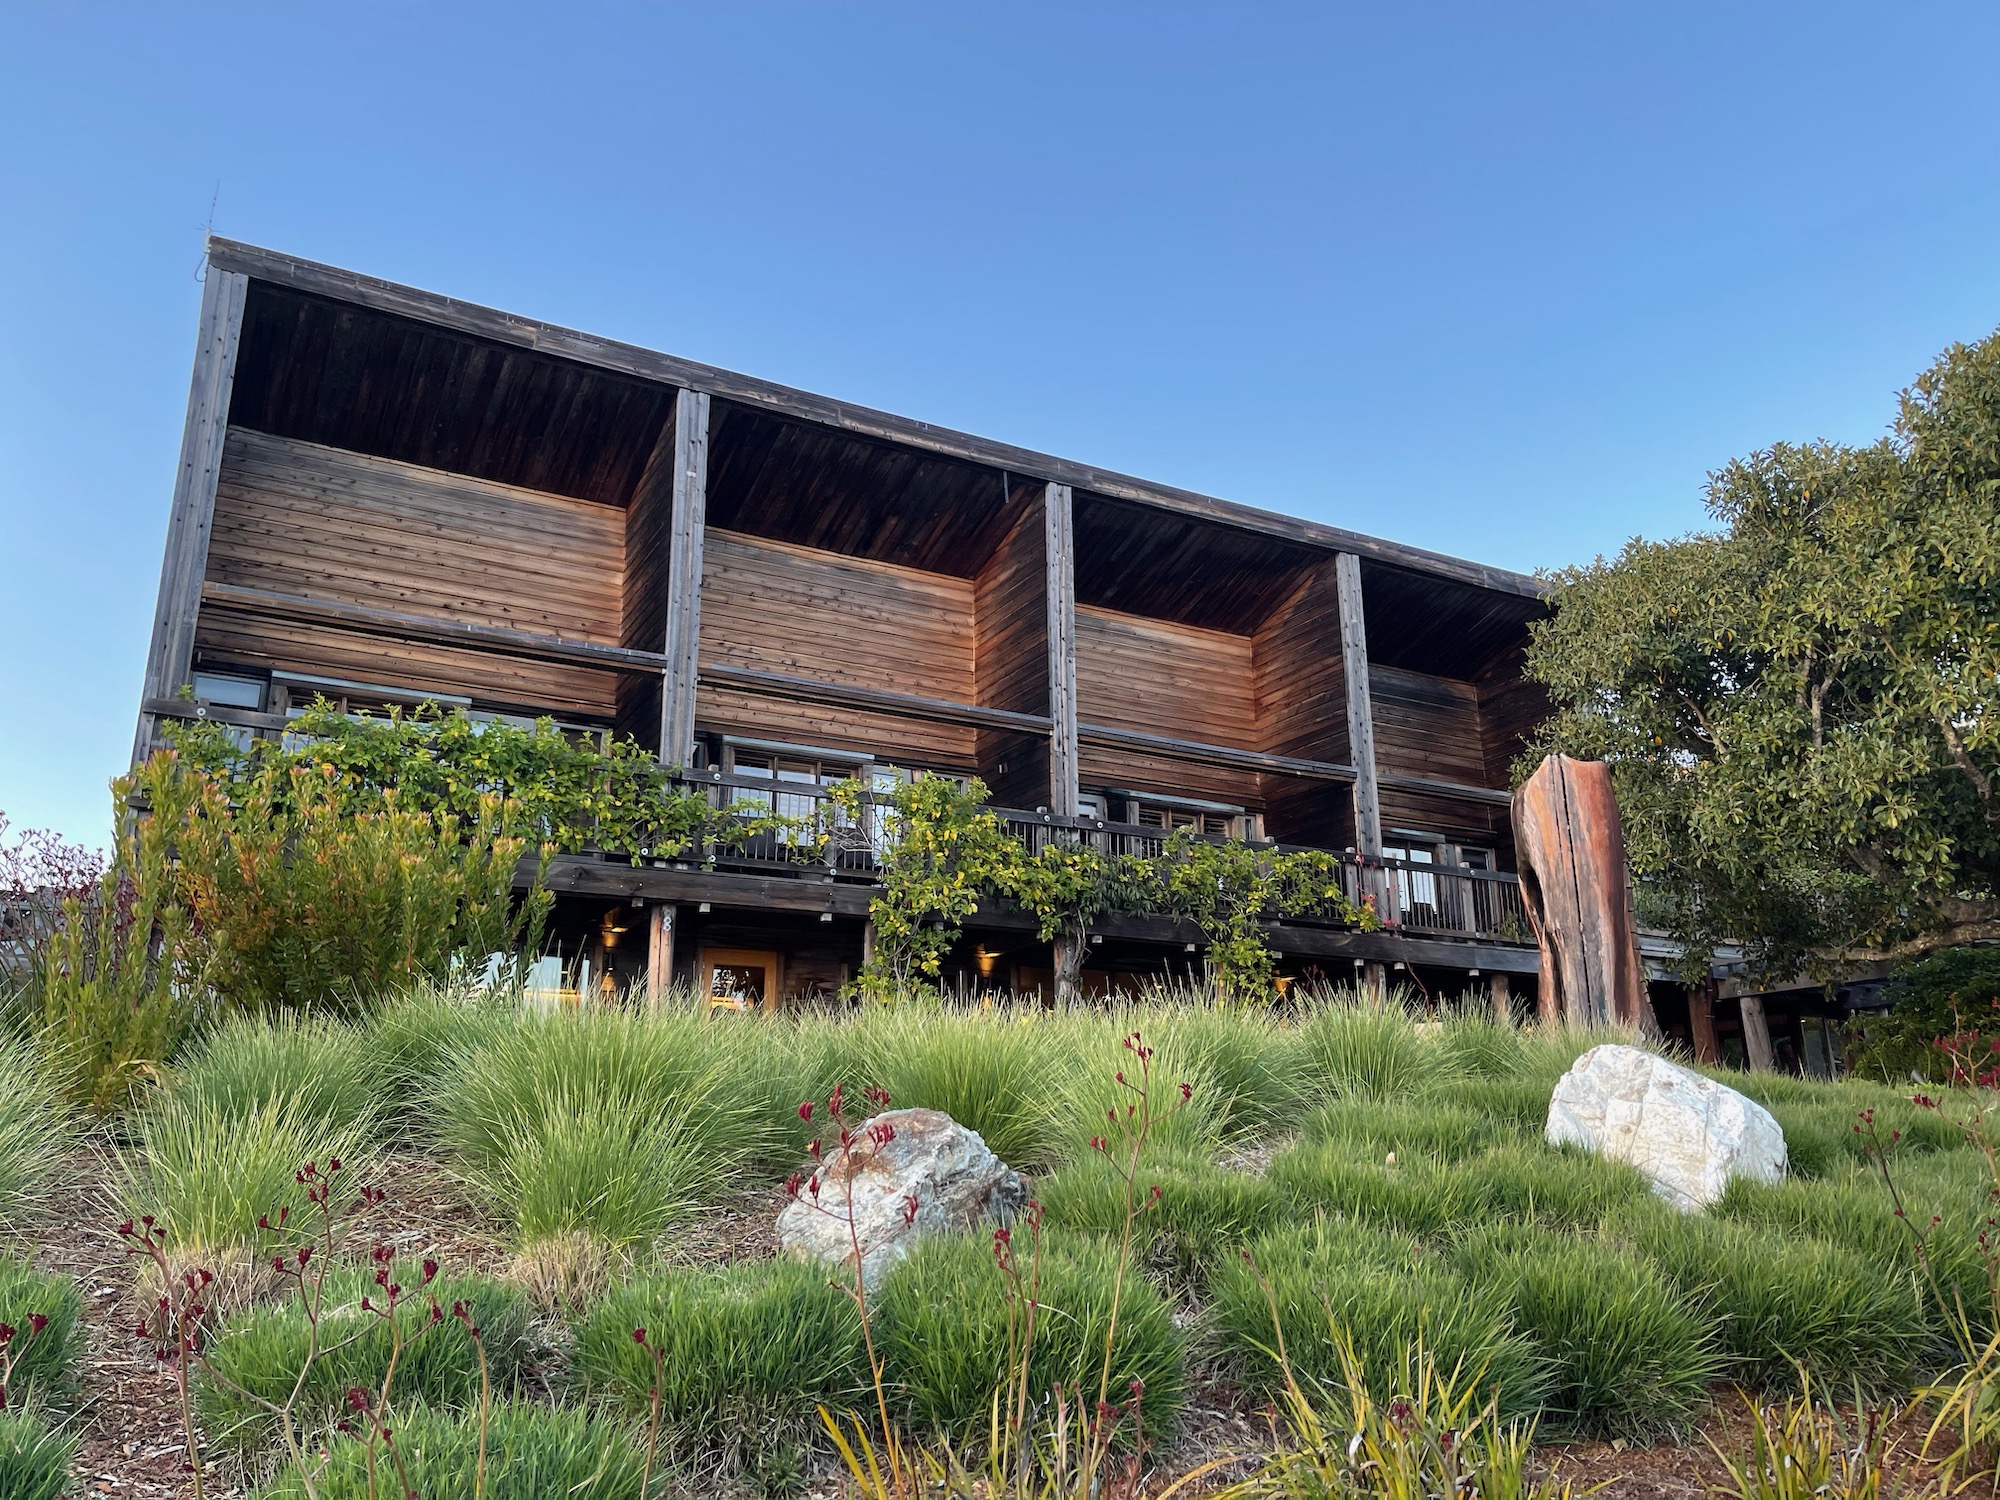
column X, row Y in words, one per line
column 226, row 691
column 1210, row 824
column 1413, row 887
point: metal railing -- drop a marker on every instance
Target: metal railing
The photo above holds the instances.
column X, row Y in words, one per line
column 814, row 835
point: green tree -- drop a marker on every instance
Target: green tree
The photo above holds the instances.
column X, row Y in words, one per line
column 1798, row 708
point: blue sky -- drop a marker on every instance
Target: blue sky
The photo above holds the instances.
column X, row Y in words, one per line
column 1505, row 281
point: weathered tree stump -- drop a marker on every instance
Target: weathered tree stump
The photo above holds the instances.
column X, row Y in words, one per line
column 1577, row 889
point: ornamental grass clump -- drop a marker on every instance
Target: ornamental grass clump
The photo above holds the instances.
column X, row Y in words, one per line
column 517, row 1451
column 1560, row 1186
column 39, row 1338
column 1350, row 1050
column 1204, row 1213
column 746, row 1354
column 250, row 1364
column 1334, row 1289
column 35, row 1455
column 247, row 1063
column 1369, row 1130
column 1786, row 1310
column 945, row 1334
column 1418, row 1196
column 34, row 1129
column 407, row 1041
column 1623, row 1356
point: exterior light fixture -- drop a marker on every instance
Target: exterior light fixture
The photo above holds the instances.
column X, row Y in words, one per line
column 703, row 907
column 1190, row 948
column 1402, row 966
column 1471, row 973
column 826, row 916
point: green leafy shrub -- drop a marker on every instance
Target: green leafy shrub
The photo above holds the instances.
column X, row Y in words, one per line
column 262, row 1349
column 1786, row 1306
column 1335, row 1279
column 34, row 1456
column 1623, row 1357
column 943, row 1333
column 748, row 1352
column 1205, row 1213
column 247, row 1063
column 45, row 1364
column 532, row 1453
column 206, row 1172
column 1943, row 994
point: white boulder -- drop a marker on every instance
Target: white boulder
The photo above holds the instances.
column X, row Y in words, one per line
column 955, row 1181
column 1688, row 1134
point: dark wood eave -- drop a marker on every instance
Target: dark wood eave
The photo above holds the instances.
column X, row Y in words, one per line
column 507, row 328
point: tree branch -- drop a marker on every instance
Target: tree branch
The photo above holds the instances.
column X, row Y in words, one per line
column 1981, row 782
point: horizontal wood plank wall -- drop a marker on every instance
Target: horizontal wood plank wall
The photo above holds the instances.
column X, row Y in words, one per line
column 1302, row 711
column 1428, row 726
column 1510, row 710
column 648, row 527
column 299, row 518
column 1160, row 677
column 1012, row 654
column 805, row 613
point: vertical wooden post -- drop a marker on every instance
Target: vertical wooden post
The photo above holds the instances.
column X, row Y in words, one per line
column 1360, row 712
column 659, row 956
column 1756, row 1034
column 1375, row 984
column 683, row 644
column 192, row 516
column 1701, row 1024
column 1503, row 1000
column 1059, row 590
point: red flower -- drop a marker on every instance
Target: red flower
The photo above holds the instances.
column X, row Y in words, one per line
column 638, row 1335
column 806, row 1110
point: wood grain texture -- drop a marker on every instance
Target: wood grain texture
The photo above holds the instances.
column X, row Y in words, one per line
column 1059, row 612
column 803, row 613
column 296, row 518
column 1301, row 686
column 1163, row 678
column 649, row 521
column 686, row 579
column 1014, row 652
column 1576, row 887
column 1362, row 748
column 191, row 516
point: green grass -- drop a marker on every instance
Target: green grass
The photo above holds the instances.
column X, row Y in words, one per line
column 246, row 1064
column 1420, row 1196
column 1783, row 1306
column 1350, row 1051
column 34, row 1455
column 748, row 1352
column 1559, row 1186
column 44, row 1363
column 407, row 1043
column 34, row 1128
column 532, row 1453
column 1624, row 1357
column 206, row 1171
column 1204, row 1215
column 263, row 1348
column 1383, row 1292
column 1368, row 1130
column 943, row 1333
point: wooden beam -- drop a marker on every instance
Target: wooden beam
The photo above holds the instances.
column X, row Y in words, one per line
column 192, row 515
column 872, row 700
column 659, row 955
column 1701, row 1024
column 366, row 619
column 689, row 531
column 628, row 359
column 183, row 708
column 1212, row 755
column 1499, row 990
column 1360, row 712
column 1757, row 1051
column 1059, row 590
column 1435, row 788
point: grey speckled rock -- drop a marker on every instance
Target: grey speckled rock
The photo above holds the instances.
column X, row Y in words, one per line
column 957, row 1182
column 1688, row 1134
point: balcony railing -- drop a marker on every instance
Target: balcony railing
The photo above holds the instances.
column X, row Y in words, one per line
column 1448, row 901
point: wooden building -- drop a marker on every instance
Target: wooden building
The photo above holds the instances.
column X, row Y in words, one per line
column 388, row 496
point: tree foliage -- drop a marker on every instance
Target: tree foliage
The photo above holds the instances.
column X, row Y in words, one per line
column 1799, row 707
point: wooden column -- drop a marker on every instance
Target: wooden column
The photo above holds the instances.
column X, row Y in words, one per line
column 1756, row 1034
column 659, row 956
column 1360, row 713
column 1701, row 1024
column 192, row 516
column 1060, row 592
column 1503, row 1000
column 683, row 644
column 1375, row 984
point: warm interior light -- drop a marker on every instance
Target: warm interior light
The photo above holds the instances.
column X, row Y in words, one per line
column 984, row 959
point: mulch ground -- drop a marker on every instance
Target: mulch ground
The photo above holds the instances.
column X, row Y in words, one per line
column 129, row 1419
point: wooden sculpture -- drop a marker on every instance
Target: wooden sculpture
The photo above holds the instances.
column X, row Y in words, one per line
column 1577, row 890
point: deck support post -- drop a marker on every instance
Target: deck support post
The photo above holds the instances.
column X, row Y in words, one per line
column 659, row 956
column 1375, row 984
column 1502, row 997
column 1059, row 590
column 1756, row 1034
column 683, row 644
column 192, row 518
column 1701, row 1024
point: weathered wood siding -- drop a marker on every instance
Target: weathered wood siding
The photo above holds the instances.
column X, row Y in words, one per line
column 298, row 518
column 1510, row 710
column 1013, row 658
column 648, row 533
column 1160, row 677
column 1301, row 690
column 1429, row 726
column 774, row 607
